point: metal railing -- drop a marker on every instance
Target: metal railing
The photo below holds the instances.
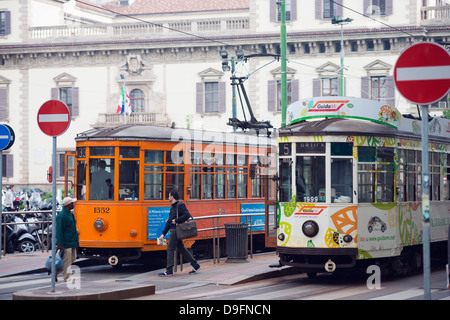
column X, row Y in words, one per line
column 216, row 228
column 44, row 222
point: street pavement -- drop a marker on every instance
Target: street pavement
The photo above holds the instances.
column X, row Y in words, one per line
column 144, row 284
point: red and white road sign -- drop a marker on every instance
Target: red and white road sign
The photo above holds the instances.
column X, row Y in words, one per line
column 422, row 73
column 53, row 118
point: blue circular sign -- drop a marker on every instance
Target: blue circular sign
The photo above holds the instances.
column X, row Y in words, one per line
column 5, row 136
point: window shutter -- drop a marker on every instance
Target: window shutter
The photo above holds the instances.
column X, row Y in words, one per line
column 316, row 87
column 273, row 10
column 7, row 22
column 294, row 90
column 222, row 97
column 339, row 8
column 293, row 10
column 365, row 87
column 319, row 9
column 55, row 94
column 9, row 165
column 272, row 95
column 75, row 112
column 366, row 5
column 390, row 90
column 4, row 108
column 200, row 97
column 389, row 7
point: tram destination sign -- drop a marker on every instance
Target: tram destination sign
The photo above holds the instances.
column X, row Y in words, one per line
column 422, row 73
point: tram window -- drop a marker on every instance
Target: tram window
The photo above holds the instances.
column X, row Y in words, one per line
column 101, row 173
column 81, row 180
column 220, row 184
column 366, row 154
column 435, row 168
column 231, row 159
column 401, row 186
column 310, row 178
column 175, row 157
column 219, row 159
column 285, row 180
column 341, row 180
column 342, row 149
column 129, row 180
column 153, row 185
column 196, row 158
column 208, row 182
column 175, row 181
column 196, row 182
column 242, row 182
column 231, row 183
column 154, row 156
column 129, row 152
column 446, row 178
column 366, row 186
column 102, row 151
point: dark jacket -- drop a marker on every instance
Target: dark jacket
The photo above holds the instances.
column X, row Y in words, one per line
column 66, row 230
column 183, row 215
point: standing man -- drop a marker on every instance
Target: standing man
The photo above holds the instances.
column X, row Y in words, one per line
column 9, row 198
column 178, row 209
column 67, row 236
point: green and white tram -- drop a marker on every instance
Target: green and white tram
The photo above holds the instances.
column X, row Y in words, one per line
column 350, row 185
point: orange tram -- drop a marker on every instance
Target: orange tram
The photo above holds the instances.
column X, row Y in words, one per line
column 122, row 177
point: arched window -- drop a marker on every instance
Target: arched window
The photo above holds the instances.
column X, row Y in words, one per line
column 137, row 101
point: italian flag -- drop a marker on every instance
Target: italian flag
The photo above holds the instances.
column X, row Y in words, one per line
column 124, row 102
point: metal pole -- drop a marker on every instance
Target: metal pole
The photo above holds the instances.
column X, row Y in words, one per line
column 283, row 64
column 342, row 61
column 233, row 88
column 425, row 205
column 54, row 218
column 1, row 201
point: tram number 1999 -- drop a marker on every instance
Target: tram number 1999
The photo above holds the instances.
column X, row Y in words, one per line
column 101, row 210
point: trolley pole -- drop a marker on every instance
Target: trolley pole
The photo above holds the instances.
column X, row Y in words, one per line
column 425, row 205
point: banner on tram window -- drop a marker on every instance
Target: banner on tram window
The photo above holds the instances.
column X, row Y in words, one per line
column 156, row 220
column 247, row 208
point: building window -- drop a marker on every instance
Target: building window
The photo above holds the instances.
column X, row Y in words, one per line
column 330, row 87
column 7, row 165
column 329, row 9
column 137, row 101
column 65, row 96
column 288, row 91
column 378, row 7
column 378, row 88
column 211, row 97
column 5, row 22
column 288, row 11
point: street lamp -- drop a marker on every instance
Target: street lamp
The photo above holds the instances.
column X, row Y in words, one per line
column 341, row 21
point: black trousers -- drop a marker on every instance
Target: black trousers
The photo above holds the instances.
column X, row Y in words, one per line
column 174, row 244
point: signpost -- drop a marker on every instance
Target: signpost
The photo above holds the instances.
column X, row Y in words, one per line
column 53, row 119
column 422, row 75
column 7, row 138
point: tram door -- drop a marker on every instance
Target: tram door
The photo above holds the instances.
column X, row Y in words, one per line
column 271, row 219
column 69, row 173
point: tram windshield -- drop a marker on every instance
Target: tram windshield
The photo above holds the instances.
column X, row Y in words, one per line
column 310, row 178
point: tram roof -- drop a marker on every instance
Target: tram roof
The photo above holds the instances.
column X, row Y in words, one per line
column 160, row 133
column 349, row 115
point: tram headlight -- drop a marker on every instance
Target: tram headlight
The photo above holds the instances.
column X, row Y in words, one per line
column 100, row 224
column 310, row 228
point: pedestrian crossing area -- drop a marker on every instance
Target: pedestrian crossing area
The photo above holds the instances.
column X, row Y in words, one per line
column 296, row 291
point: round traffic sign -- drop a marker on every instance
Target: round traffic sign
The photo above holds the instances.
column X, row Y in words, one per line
column 422, row 73
column 5, row 136
column 53, row 118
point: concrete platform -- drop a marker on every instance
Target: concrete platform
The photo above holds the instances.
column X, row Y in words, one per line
column 96, row 290
column 149, row 284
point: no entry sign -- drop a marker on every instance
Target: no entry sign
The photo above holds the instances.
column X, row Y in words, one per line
column 53, row 118
column 422, row 73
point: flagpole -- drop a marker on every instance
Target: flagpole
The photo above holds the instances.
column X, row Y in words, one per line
column 123, row 100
